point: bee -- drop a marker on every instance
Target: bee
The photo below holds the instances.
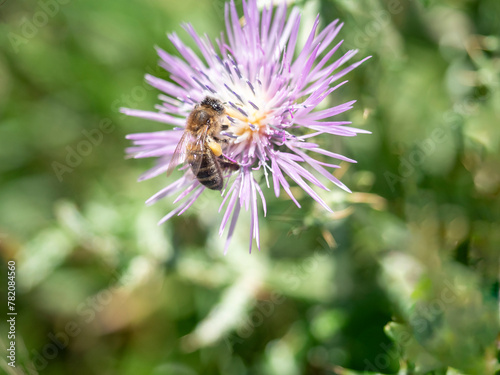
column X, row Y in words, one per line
column 200, row 144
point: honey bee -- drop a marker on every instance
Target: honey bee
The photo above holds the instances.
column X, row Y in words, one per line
column 200, row 145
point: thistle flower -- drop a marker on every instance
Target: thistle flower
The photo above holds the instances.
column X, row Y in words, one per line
column 270, row 98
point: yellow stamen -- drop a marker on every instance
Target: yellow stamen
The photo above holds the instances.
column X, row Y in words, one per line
column 256, row 119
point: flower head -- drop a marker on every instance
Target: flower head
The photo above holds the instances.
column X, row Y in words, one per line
column 270, row 98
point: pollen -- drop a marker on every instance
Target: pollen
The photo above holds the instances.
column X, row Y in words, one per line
column 216, row 148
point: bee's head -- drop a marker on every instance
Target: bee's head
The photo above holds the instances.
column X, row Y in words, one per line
column 200, row 119
column 213, row 103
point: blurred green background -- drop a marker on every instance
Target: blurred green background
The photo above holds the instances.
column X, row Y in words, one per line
column 403, row 278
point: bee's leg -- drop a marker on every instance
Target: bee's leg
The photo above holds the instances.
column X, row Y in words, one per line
column 227, row 158
column 223, row 137
column 228, row 163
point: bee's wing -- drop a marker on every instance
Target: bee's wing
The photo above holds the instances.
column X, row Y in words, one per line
column 197, row 149
column 190, row 148
column 180, row 152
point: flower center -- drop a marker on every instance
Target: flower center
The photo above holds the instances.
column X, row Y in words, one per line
column 246, row 128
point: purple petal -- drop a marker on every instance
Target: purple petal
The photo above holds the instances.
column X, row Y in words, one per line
column 234, row 219
column 170, row 189
column 155, row 116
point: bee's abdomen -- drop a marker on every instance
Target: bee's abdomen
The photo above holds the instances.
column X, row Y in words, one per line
column 210, row 173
